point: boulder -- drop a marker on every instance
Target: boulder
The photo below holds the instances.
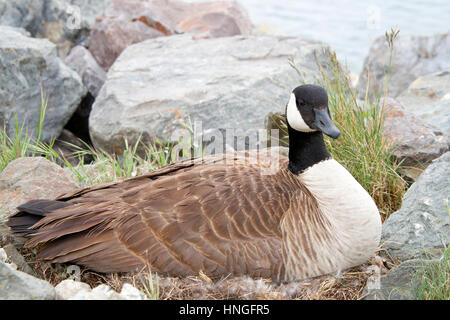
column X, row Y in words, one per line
column 92, row 75
column 126, row 22
column 31, row 178
column 17, row 259
column 230, row 82
column 17, row 285
column 428, row 98
column 57, row 20
column 91, row 9
column 212, row 19
column 401, row 283
column 422, row 225
column 415, row 142
column 28, row 65
column 413, row 56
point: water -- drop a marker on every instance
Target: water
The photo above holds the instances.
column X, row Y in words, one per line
column 349, row 26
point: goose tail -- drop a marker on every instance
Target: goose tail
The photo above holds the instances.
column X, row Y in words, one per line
column 30, row 213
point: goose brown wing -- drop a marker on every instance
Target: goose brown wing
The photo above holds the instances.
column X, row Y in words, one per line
column 212, row 216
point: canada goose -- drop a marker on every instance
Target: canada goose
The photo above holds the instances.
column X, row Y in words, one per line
column 308, row 219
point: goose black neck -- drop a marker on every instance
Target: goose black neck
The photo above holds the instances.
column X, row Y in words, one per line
column 305, row 150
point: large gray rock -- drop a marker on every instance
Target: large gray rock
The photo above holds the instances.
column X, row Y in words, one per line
column 17, row 285
column 26, row 66
column 428, row 98
column 422, row 225
column 401, row 283
column 91, row 9
column 413, row 56
column 57, row 20
column 230, row 82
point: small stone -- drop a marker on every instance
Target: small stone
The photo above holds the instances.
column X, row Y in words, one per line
column 104, row 292
column 67, row 289
column 131, row 293
column 3, row 256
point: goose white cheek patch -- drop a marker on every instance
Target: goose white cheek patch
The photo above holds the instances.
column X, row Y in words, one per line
column 295, row 118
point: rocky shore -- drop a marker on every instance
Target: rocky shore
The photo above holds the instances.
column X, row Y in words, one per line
column 114, row 70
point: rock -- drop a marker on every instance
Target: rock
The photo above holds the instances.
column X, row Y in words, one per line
column 76, row 290
column 400, row 283
column 126, row 22
column 68, row 288
column 422, row 225
column 19, row 30
column 27, row 65
column 212, row 19
column 78, row 124
column 17, row 285
column 131, row 293
column 31, row 178
column 230, row 82
column 57, row 20
column 15, row 257
column 428, row 98
column 413, row 56
column 3, row 256
column 92, row 75
column 122, row 24
column 104, row 292
column 416, row 142
column 91, row 9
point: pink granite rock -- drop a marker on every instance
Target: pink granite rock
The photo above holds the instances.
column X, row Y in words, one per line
column 32, row 178
column 415, row 142
column 127, row 22
column 81, row 60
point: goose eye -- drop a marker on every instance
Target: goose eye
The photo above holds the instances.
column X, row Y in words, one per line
column 300, row 103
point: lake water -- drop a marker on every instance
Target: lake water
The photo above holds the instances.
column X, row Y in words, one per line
column 349, row 26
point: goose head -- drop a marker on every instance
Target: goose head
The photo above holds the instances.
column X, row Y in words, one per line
column 307, row 111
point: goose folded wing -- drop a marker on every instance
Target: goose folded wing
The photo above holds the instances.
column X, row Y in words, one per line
column 179, row 220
